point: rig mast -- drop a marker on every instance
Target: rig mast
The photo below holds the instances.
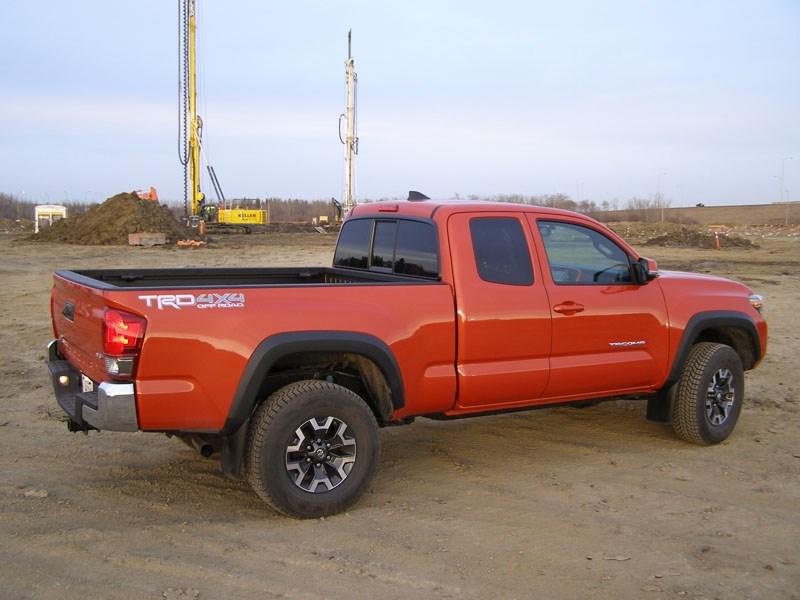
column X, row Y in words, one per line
column 350, row 139
column 191, row 123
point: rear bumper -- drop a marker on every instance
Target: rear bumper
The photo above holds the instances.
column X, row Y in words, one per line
column 110, row 406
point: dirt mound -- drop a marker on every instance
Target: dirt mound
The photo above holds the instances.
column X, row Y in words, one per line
column 639, row 232
column 695, row 238
column 109, row 223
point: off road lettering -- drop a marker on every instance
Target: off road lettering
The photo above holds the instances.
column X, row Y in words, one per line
column 214, row 300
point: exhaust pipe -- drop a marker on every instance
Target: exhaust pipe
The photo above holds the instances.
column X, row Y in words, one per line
column 204, row 448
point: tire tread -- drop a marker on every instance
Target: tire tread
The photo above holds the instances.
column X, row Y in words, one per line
column 259, row 430
column 687, row 418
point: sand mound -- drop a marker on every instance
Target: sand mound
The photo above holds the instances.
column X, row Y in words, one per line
column 110, row 223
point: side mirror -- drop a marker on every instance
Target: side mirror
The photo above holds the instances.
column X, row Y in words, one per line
column 646, row 270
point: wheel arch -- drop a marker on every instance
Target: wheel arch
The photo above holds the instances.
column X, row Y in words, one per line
column 731, row 328
column 374, row 359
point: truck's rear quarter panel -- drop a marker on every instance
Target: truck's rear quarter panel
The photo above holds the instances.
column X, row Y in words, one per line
column 192, row 360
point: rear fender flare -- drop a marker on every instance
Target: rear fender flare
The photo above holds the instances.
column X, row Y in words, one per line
column 275, row 347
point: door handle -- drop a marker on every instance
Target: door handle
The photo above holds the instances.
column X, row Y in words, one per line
column 568, row 308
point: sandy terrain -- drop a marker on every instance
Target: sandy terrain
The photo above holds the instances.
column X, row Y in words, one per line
column 556, row 503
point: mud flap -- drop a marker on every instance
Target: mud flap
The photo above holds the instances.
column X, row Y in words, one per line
column 659, row 405
column 232, row 454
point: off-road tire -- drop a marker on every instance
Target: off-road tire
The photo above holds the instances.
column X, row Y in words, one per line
column 281, row 460
column 709, row 395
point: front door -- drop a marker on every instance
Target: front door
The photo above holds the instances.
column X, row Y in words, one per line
column 609, row 331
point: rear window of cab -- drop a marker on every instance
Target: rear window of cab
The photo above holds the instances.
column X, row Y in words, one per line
column 400, row 246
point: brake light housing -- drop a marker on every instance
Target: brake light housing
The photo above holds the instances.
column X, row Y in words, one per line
column 123, row 335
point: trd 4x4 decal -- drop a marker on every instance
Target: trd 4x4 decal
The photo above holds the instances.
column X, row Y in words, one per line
column 203, row 301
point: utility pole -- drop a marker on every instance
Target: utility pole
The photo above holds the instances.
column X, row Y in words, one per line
column 783, row 168
column 350, row 140
column 659, row 199
column 780, row 195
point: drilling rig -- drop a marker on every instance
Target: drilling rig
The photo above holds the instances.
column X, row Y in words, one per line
column 197, row 211
column 350, row 139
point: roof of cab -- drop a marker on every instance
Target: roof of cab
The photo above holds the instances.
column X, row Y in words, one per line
column 428, row 208
column 442, row 209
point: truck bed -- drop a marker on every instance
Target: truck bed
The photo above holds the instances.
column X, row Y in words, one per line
column 239, row 277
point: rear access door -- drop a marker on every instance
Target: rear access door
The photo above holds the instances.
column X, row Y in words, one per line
column 503, row 313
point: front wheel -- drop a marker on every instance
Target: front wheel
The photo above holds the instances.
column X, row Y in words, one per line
column 709, row 394
column 312, row 449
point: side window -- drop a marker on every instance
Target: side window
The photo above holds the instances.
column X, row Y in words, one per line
column 581, row 255
column 352, row 248
column 417, row 250
column 399, row 246
column 501, row 251
column 383, row 245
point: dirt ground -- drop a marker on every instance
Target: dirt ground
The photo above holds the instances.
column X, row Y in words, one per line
column 558, row 503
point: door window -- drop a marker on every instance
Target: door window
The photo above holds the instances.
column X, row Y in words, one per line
column 501, row 251
column 581, row 255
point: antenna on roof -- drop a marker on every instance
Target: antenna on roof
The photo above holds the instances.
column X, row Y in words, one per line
column 414, row 196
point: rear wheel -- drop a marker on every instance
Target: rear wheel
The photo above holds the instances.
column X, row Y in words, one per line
column 709, row 394
column 312, row 449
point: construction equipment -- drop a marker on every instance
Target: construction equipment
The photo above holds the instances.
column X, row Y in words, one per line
column 337, row 210
column 151, row 195
column 241, row 216
column 198, row 212
column 350, row 140
column 190, row 123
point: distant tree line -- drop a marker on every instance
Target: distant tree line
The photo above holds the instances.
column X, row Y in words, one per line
column 14, row 208
column 638, row 209
column 635, row 209
column 552, row 200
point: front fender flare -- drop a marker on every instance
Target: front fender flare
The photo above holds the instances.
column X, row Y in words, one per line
column 659, row 405
column 712, row 320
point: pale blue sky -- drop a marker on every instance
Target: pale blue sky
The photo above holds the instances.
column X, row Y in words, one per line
column 609, row 100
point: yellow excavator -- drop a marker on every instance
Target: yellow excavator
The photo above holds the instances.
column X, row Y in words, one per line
column 199, row 213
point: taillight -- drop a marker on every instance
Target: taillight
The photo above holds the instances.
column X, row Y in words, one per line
column 123, row 334
column 53, row 311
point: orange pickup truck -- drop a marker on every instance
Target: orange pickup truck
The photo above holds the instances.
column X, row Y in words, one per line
column 430, row 309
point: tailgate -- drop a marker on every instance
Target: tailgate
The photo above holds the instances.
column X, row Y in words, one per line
column 77, row 311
